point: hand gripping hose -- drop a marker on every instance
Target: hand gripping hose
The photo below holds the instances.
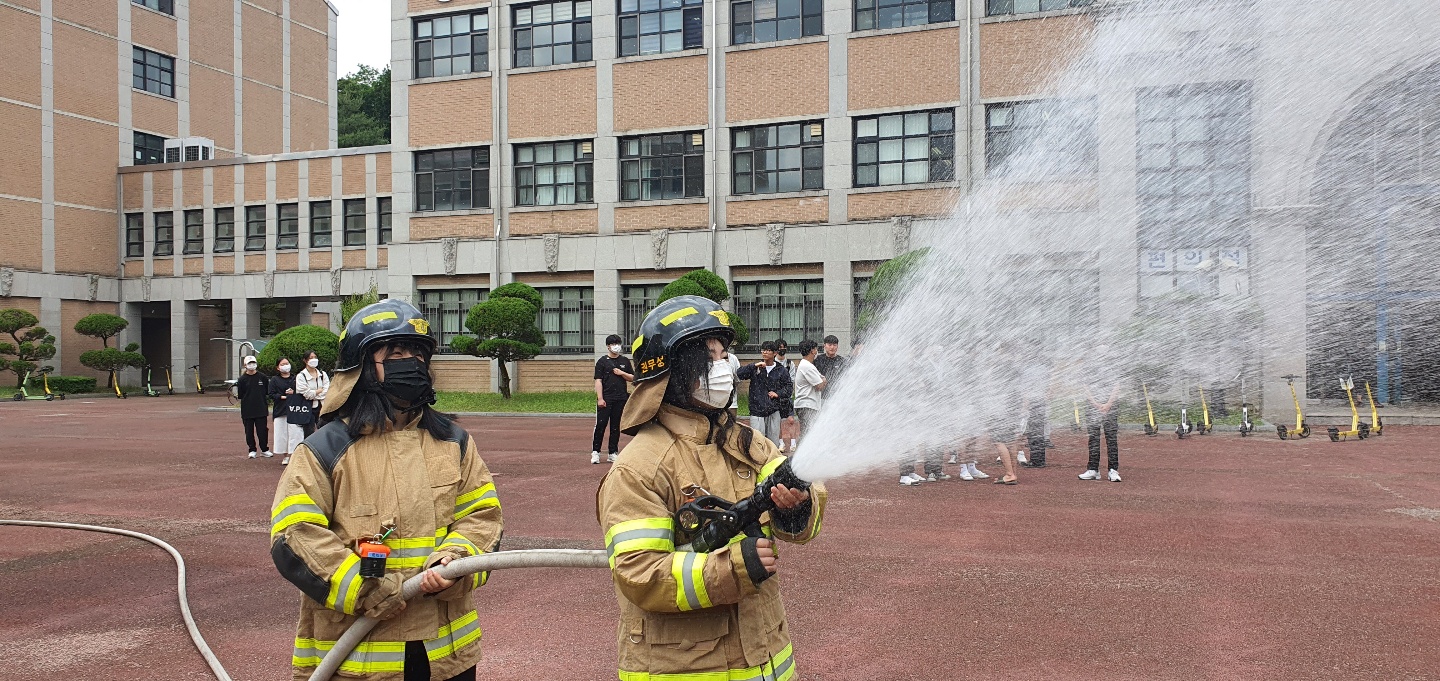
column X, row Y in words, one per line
column 485, row 562
column 195, row 636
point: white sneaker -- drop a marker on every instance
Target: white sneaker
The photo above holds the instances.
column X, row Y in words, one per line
column 1114, row 475
column 611, row 458
column 937, row 477
column 953, row 458
column 1020, row 457
column 1090, row 475
column 251, row 456
column 965, row 473
column 909, row 479
column 269, row 454
column 975, row 472
column 594, row 457
column 285, row 461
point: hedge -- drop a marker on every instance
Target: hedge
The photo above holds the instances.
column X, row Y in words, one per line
column 70, row 385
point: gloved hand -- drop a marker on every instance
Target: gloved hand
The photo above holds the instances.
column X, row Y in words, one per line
column 383, row 600
column 759, row 556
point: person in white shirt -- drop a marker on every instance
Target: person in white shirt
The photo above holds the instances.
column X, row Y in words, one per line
column 313, row 384
column 809, row 387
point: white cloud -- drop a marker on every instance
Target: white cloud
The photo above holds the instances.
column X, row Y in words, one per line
column 364, row 34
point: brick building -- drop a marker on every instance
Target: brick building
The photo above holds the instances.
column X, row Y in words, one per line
column 597, row 148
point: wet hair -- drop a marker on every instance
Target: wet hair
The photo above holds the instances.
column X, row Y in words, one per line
column 832, row 339
column 369, row 410
column 689, row 365
column 612, row 339
column 768, row 345
column 807, row 346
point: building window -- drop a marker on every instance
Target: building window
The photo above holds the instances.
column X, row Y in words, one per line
column 1192, row 164
column 194, row 232
column 164, row 234
column 320, row 224
column 670, row 166
column 287, row 228
column 153, row 72
column 656, row 26
column 905, row 148
column 859, row 286
column 567, row 318
column 383, row 204
column 997, row 7
column 636, row 301
column 452, row 45
column 166, row 6
column 552, row 33
column 134, row 235
column 447, row 310
column 453, row 179
column 354, row 222
column 793, row 310
column 149, row 149
column 554, row 173
column 224, row 230
column 765, row 21
column 1041, row 138
column 896, row 13
column 254, row 228
column 778, row 158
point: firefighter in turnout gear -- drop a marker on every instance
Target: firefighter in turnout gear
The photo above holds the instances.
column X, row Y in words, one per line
column 687, row 616
column 385, row 468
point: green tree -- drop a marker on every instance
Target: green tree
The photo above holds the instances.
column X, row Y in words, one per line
column 355, row 303
column 505, row 329
column 32, row 344
column 363, row 107
column 295, row 341
column 102, row 326
column 706, row 284
column 114, row 360
column 889, row 283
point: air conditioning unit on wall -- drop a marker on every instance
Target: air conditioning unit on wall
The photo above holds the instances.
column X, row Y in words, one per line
column 189, row 149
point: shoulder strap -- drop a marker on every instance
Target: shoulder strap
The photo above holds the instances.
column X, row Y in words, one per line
column 458, row 436
column 329, row 443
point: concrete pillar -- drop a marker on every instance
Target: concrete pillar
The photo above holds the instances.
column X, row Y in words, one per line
column 607, row 305
column 131, row 334
column 244, row 325
column 1277, row 259
column 184, row 342
column 839, row 306
column 51, row 320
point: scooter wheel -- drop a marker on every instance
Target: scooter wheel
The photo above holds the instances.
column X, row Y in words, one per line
column 1304, row 431
column 19, row 397
column 1280, row 430
column 1334, row 434
column 49, row 398
column 1364, row 430
column 62, row 397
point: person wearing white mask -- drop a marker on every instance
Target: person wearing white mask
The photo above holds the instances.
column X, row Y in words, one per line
column 314, row 384
column 254, row 413
column 613, row 374
column 282, row 390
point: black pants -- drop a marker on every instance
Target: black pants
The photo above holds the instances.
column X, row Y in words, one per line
column 417, row 664
column 1109, row 425
column 257, row 430
column 608, row 414
column 1035, row 434
column 308, row 428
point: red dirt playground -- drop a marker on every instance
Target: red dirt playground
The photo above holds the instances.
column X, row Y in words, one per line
column 1217, row 558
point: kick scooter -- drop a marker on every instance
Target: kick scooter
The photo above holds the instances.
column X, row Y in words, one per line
column 1204, row 426
column 199, row 388
column 1375, row 424
column 1357, row 429
column 24, row 393
column 149, row 391
column 1302, row 429
column 169, row 386
column 1150, row 412
column 1184, row 427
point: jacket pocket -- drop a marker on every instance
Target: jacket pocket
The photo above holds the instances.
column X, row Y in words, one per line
column 688, row 643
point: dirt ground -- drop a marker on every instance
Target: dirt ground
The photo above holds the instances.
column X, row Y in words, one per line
column 1217, row 558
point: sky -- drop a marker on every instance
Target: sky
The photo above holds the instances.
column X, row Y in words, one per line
column 364, row 34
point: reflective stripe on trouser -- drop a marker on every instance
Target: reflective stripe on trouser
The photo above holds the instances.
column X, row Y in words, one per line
column 296, row 508
column 345, row 586
column 779, row 668
column 481, row 497
column 389, row 656
column 641, row 534
column 688, row 568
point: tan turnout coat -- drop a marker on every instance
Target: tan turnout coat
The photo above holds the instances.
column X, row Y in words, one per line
column 683, row 615
column 440, row 497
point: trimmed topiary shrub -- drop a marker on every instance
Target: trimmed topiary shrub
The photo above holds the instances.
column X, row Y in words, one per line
column 890, row 281
column 521, row 291
column 706, row 284
column 505, row 329
column 715, row 288
column 294, row 342
column 31, row 345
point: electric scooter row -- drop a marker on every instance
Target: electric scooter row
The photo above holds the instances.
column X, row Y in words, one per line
column 24, row 393
column 1357, row 427
column 152, row 392
column 1302, row 429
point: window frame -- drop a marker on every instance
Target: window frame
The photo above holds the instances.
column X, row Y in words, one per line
column 384, row 208
column 936, row 12
column 523, row 52
column 224, row 242
column 934, row 143
column 689, row 160
column 632, row 15
column 434, row 308
column 351, row 227
column 636, row 301
column 584, row 307
column 478, row 53
column 1068, row 159
column 163, row 227
column 141, row 77
column 427, row 173
column 744, row 31
column 161, row 6
column 809, row 168
column 134, row 235
column 997, row 8
column 194, row 232
column 287, row 226
column 322, row 238
column 582, row 172
column 255, row 228
column 151, row 146
column 749, row 303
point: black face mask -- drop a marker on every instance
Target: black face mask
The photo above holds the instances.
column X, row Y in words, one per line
column 407, row 380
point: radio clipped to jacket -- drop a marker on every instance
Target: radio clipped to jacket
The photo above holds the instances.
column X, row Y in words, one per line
column 373, row 553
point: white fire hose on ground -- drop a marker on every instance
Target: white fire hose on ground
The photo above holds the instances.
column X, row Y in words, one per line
column 529, row 558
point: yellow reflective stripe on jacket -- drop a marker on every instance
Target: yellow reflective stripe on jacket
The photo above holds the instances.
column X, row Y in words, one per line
column 688, row 568
column 345, row 586
column 460, row 632
column 406, row 554
column 779, row 668
column 769, row 468
column 296, row 508
column 641, row 534
column 481, row 497
column 455, row 539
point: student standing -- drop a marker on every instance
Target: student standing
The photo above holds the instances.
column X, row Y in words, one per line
column 1104, row 420
column 809, row 387
column 769, row 387
column 314, row 385
column 613, row 374
column 831, row 363
column 282, row 390
column 251, row 388
column 788, row 425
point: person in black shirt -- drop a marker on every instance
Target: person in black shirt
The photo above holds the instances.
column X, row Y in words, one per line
column 251, row 388
column 613, row 373
column 831, row 363
column 282, row 391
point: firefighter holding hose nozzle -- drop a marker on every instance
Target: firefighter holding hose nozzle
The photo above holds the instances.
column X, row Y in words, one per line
column 692, row 509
